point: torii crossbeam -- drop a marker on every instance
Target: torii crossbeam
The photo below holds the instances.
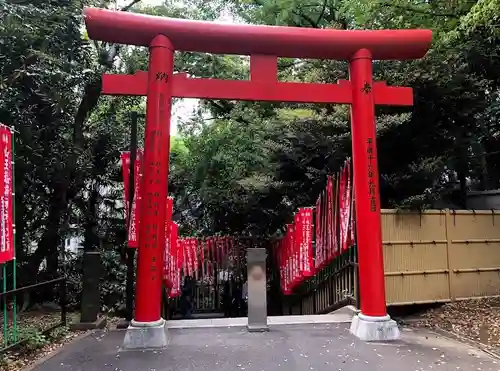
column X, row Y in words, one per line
column 262, row 86
column 264, row 44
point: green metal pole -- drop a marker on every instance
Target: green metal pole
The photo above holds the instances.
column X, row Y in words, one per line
column 5, row 321
column 14, row 261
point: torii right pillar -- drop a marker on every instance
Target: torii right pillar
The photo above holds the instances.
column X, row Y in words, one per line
column 373, row 322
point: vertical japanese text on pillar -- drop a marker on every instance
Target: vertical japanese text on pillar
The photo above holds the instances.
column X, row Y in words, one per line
column 371, row 183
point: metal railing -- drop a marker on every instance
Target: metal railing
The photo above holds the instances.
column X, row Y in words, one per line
column 12, row 326
column 334, row 287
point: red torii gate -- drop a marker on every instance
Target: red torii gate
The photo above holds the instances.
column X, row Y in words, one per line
column 264, row 44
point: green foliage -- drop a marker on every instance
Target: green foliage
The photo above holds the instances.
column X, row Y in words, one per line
column 59, row 332
column 32, row 337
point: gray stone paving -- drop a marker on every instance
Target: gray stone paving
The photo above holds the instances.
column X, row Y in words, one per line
column 299, row 347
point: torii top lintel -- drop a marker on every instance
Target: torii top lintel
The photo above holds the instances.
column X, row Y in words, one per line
column 224, row 38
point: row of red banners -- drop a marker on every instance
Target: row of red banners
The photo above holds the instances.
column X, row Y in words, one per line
column 332, row 223
column 7, row 251
column 182, row 256
column 192, row 257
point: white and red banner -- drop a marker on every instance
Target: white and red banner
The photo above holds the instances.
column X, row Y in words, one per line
column 178, row 261
column 306, row 251
column 318, row 262
column 194, row 254
column 202, row 259
column 133, row 225
column 168, row 252
column 177, row 245
column 7, row 191
column 173, row 272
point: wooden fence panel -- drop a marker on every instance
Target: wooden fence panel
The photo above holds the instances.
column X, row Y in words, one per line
column 440, row 255
column 474, row 253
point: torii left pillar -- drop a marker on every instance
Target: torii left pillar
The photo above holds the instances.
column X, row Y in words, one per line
column 148, row 329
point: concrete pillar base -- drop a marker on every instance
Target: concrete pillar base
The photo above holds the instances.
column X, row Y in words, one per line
column 258, row 328
column 369, row 328
column 146, row 335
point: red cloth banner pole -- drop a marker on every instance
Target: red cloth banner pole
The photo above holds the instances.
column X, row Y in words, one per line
column 155, row 182
column 366, row 183
column 7, row 191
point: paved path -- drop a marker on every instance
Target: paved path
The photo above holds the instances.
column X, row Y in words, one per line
column 300, row 347
column 343, row 315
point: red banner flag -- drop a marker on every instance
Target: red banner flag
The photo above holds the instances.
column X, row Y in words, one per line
column 286, row 265
column 167, row 253
column 290, row 260
column 336, row 217
column 209, row 257
column 345, row 206
column 318, row 220
column 352, row 224
column 7, row 191
column 182, row 246
column 202, row 258
column 133, row 225
column 324, row 226
column 175, row 274
column 298, row 246
column 178, row 248
column 125, row 159
column 194, row 254
column 330, row 223
column 218, row 254
column 189, row 256
column 167, row 256
column 306, row 229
